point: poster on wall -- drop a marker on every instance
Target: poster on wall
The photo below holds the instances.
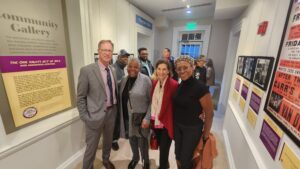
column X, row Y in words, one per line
column 288, row 158
column 236, row 90
column 33, row 62
column 262, row 74
column 270, row 136
column 283, row 100
column 254, row 105
column 244, row 94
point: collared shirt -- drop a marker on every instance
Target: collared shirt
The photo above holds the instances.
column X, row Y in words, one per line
column 145, row 64
column 107, row 91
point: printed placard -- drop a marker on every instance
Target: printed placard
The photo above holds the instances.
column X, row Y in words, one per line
column 251, row 117
column 34, row 62
column 283, row 101
column 270, row 136
column 255, row 99
column 288, row 158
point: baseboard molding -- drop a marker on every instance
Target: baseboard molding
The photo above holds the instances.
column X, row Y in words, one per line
column 228, row 150
column 73, row 161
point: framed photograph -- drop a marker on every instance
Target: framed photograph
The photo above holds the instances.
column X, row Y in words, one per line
column 262, row 73
column 283, row 99
column 240, row 65
column 249, row 66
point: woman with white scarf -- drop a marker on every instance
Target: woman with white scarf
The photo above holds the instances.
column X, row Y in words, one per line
column 162, row 110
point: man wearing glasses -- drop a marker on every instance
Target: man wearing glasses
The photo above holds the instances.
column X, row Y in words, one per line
column 96, row 103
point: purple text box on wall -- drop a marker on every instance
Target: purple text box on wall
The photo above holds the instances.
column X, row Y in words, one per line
column 30, row 63
column 255, row 102
column 270, row 139
column 244, row 91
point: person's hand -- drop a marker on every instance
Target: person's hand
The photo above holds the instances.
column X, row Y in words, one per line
column 205, row 138
column 202, row 116
column 145, row 124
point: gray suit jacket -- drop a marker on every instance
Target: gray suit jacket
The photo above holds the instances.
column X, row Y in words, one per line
column 91, row 95
column 140, row 97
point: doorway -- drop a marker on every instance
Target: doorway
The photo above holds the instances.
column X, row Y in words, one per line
column 228, row 70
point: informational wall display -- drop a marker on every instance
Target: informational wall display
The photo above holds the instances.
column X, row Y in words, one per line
column 249, row 65
column 283, row 101
column 237, row 84
column 236, row 90
column 288, row 158
column 270, row 135
column 33, row 61
column 244, row 94
column 254, row 105
column 144, row 22
column 256, row 69
column 263, row 69
column 240, row 65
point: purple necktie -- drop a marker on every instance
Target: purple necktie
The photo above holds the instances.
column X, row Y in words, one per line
column 109, row 83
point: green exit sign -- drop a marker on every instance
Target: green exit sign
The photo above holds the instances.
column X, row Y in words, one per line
column 191, row 26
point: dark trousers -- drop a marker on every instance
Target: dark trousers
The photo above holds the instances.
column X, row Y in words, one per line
column 186, row 139
column 139, row 143
column 164, row 142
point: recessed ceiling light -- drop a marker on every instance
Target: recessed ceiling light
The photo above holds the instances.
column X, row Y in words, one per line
column 188, row 11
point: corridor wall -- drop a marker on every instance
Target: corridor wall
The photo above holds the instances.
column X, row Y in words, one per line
column 244, row 147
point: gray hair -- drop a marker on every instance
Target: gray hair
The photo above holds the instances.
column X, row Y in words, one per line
column 133, row 59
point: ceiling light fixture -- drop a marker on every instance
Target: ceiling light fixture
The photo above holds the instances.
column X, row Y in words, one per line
column 188, row 11
column 188, row 6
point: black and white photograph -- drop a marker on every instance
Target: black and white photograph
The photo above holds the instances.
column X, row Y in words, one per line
column 240, row 65
column 275, row 101
column 249, row 67
column 262, row 72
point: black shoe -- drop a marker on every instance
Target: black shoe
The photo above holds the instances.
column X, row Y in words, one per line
column 115, row 146
column 132, row 164
column 167, row 167
column 146, row 166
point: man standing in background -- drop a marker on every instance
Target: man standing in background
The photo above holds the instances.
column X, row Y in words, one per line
column 167, row 55
column 96, row 103
column 119, row 66
column 146, row 66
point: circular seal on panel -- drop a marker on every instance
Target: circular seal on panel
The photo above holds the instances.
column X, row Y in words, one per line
column 30, row 112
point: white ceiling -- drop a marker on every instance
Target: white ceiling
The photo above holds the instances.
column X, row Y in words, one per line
column 218, row 9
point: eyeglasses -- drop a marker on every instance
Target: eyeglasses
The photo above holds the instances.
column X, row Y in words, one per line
column 182, row 69
column 106, row 50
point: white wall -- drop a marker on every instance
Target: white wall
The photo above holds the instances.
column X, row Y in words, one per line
column 219, row 37
column 115, row 20
column 58, row 141
column 245, row 149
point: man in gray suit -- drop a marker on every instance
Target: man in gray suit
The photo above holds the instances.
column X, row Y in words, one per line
column 96, row 103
